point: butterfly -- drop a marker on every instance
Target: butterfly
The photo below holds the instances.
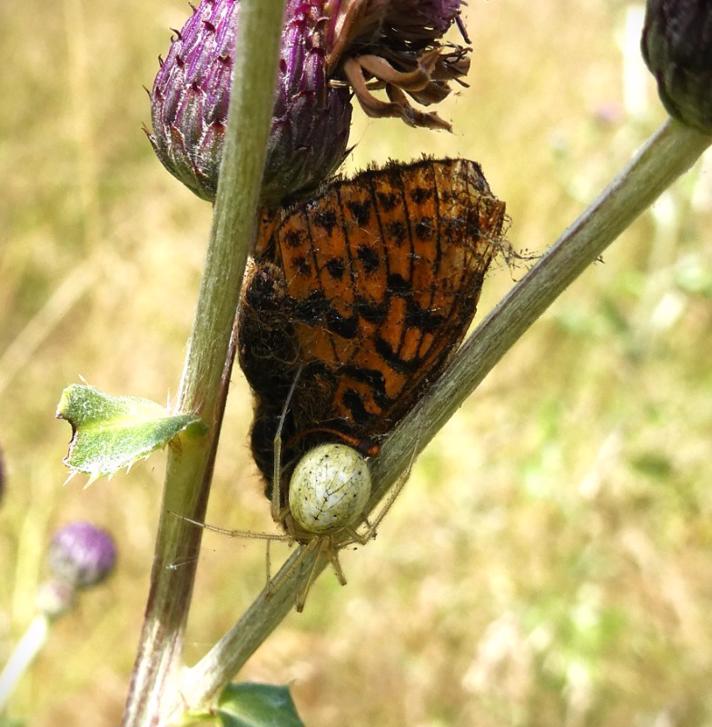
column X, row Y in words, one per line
column 353, row 304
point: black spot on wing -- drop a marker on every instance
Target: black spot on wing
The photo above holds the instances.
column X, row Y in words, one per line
column 302, row 265
column 354, row 403
column 421, row 194
column 399, row 285
column 311, row 310
column 424, row 228
column 294, row 238
column 336, row 267
column 391, row 357
column 360, row 211
column 369, row 258
column 341, row 325
column 375, row 380
column 387, row 200
column 427, row 321
column 326, row 219
column 397, row 232
column 372, row 312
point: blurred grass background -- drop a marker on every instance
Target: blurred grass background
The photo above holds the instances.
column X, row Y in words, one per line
column 549, row 562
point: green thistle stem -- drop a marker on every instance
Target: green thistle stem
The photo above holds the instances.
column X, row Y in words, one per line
column 670, row 152
column 667, row 154
column 208, row 364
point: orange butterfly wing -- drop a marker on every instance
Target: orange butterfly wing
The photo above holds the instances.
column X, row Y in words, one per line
column 369, row 288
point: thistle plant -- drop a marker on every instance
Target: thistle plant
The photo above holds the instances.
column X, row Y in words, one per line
column 79, row 557
column 328, row 50
column 236, row 152
column 677, row 46
column 191, row 94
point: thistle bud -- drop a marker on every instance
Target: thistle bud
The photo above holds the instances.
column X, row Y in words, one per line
column 330, row 49
column 677, row 47
column 81, row 555
column 191, row 94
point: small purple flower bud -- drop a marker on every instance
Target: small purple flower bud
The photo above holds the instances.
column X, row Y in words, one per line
column 677, row 47
column 81, row 554
column 191, row 94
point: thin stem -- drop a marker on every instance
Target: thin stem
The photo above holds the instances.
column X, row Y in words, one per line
column 670, row 152
column 208, row 363
column 203, row 682
column 666, row 155
column 24, row 654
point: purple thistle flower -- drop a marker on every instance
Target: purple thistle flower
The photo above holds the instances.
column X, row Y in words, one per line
column 81, row 554
column 191, row 93
column 327, row 46
column 677, row 47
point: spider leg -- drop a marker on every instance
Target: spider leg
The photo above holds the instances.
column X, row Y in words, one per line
column 333, row 553
column 287, row 570
column 392, row 496
column 290, row 539
column 268, row 567
column 357, row 537
column 321, row 544
column 277, row 511
column 237, row 533
column 268, row 537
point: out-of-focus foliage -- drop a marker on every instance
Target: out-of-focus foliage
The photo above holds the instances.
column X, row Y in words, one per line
column 549, row 561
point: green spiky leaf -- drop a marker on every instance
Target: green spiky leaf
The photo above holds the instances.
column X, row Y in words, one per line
column 112, row 432
column 257, row 705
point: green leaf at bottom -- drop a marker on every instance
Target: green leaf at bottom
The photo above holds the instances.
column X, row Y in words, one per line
column 112, row 432
column 257, row 705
